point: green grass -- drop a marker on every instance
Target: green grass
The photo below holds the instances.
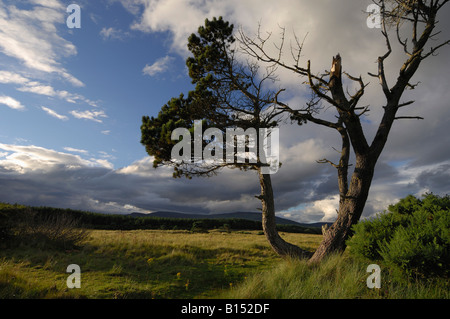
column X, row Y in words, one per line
column 338, row 277
column 180, row 264
column 141, row 264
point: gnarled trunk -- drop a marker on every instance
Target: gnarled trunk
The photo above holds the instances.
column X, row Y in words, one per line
column 278, row 244
column 351, row 207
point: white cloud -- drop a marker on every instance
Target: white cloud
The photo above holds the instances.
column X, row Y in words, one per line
column 104, row 163
column 182, row 18
column 11, row 77
column 326, row 206
column 179, row 17
column 143, row 168
column 114, row 207
column 55, row 4
column 47, row 90
column 31, row 158
column 159, row 66
column 112, row 33
column 75, row 150
column 108, row 32
column 36, row 87
column 89, row 115
column 105, row 155
column 133, row 6
column 54, row 114
column 31, row 37
column 11, row 102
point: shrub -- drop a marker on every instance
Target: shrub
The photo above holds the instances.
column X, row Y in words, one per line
column 413, row 236
column 199, row 227
column 61, row 231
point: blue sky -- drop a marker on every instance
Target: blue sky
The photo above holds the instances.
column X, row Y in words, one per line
column 115, row 92
column 71, row 103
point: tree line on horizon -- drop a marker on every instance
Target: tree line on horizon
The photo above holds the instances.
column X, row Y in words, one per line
column 11, row 215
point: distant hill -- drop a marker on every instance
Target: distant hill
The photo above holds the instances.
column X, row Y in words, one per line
column 255, row 216
column 157, row 220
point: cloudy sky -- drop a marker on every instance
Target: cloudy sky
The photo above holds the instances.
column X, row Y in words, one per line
column 72, row 99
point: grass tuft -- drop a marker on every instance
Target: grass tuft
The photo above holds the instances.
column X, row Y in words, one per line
column 337, row 277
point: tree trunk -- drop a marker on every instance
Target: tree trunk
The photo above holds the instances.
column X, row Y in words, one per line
column 278, row 244
column 351, row 207
column 352, row 199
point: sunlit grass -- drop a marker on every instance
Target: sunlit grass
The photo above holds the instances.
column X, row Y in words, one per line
column 180, row 264
column 337, row 277
column 141, row 264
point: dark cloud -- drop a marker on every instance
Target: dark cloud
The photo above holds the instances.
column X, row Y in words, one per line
column 435, row 179
column 416, row 157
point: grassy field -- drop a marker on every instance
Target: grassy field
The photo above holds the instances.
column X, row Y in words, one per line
column 181, row 264
column 141, row 264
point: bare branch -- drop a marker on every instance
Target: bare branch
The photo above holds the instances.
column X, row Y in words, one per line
column 408, row 118
column 338, row 166
column 405, row 104
column 299, row 49
column 381, row 73
column 317, row 90
column 412, row 86
column 256, row 49
column 365, row 110
column 355, row 98
column 403, row 43
column 433, row 50
column 324, row 161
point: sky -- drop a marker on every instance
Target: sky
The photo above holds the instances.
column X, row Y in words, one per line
column 72, row 100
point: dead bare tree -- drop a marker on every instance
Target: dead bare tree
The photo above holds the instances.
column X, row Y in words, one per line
column 421, row 17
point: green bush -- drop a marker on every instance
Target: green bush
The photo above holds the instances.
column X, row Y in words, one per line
column 30, row 228
column 412, row 237
column 199, row 227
